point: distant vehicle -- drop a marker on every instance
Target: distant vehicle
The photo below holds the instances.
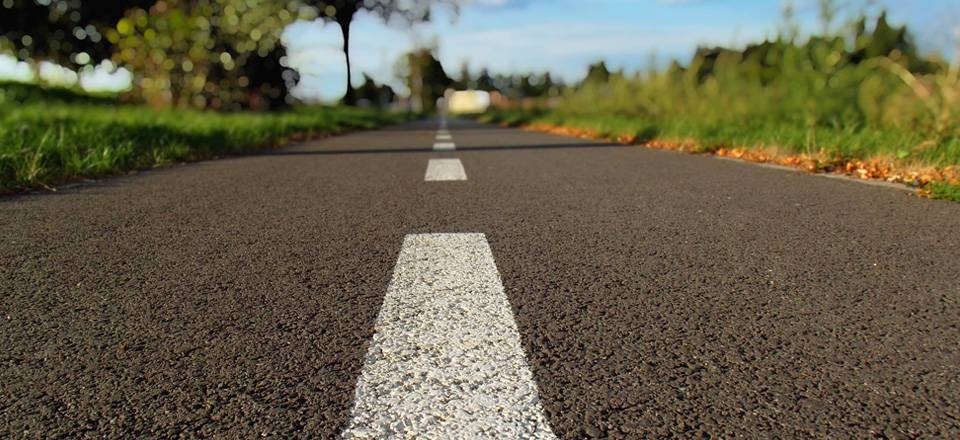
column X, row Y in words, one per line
column 468, row 101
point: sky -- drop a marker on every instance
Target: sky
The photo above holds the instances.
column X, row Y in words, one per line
column 562, row 36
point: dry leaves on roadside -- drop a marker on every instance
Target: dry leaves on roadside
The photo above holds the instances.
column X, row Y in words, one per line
column 880, row 168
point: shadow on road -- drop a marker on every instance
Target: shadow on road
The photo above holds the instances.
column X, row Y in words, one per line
column 430, row 149
column 406, row 128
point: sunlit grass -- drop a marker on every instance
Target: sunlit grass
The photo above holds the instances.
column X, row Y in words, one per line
column 44, row 144
column 940, row 190
column 831, row 146
column 842, row 143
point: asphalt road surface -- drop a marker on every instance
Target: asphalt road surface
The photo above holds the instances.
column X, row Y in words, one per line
column 524, row 285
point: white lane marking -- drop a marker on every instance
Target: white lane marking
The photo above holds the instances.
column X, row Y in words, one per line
column 440, row 170
column 446, row 360
column 444, row 146
column 444, row 136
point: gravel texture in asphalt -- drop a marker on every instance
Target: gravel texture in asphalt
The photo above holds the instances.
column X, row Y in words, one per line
column 446, row 360
column 654, row 293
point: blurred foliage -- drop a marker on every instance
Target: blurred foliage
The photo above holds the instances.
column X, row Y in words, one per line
column 14, row 94
column 221, row 54
column 512, row 86
column 67, row 32
column 866, row 79
column 55, row 138
column 424, row 76
column 371, row 94
column 859, row 100
column 597, row 74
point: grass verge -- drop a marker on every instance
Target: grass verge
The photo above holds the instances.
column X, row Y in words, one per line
column 864, row 153
column 43, row 144
column 946, row 191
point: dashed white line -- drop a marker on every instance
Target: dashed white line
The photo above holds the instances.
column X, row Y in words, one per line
column 444, row 136
column 439, row 170
column 446, row 359
column 444, row 146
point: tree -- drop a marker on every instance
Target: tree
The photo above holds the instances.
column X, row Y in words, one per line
column 373, row 94
column 597, row 73
column 485, row 81
column 425, row 77
column 548, row 86
column 67, row 32
column 465, row 81
column 223, row 54
column 343, row 12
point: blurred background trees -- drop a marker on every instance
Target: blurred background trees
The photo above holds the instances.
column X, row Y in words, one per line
column 864, row 75
column 66, row 32
column 220, row 54
column 371, row 94
column 227, row 55
column 423, row 74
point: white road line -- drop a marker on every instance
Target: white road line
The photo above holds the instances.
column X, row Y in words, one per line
column 444, row 146
column 444, row 136
column 446, row 359
column 440, row 170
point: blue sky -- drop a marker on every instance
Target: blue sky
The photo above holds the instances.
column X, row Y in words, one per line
column 564, row 36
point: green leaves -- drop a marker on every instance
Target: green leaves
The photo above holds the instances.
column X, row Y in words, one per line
column 224, row 54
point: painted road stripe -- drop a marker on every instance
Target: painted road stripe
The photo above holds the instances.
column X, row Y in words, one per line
column 446, row 359
column 444, row 146
column 444, row 136
column 439, row 170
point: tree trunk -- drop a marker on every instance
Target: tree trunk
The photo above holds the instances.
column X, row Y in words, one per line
column 34, row 63
column 349, row 98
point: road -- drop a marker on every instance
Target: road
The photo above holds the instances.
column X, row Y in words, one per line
column 590, row 289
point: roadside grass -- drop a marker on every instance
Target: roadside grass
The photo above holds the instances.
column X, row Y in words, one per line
column 45, row 142
column 860, row 99
column 905, row 156
column 946, row 191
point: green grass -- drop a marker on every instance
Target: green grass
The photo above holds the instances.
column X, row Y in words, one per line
column 946, row 191
column 861, row 92
column 835, row 143
column 861, row 143
column 45, row 142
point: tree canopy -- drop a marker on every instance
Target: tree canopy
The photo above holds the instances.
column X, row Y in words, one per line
column 68, row 32
column 207, row 53
column 222, row 54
